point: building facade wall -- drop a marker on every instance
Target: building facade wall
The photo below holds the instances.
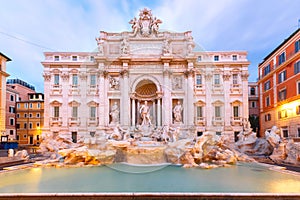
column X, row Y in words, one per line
column 3, row 76
column 10, row 125
column 30, row 120
column 253, row 99
column 283, row 90
column 129, row 69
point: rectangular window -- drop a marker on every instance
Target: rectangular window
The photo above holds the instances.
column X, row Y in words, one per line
column 216, row 58
column 92, row 134
column 234, row 57
column 74, row 137
column 92, row 112
column 93, row 80
column 18, row 105
column 92, row 58
column 12, row 109
column 25, row 115
column 26, row 105
column 25, row 125
column 38, row 105
column 252, row 91
column 267, row 85
column 18, row 115
column 199, row 58
column 297, row 46
column 253, row 104
column 298, row 132
column 198, row 79
column 282, row 114
column 75, row 112
column 74, row 58
column 12, row 98
column 234, row 78
column 282, row 76
column 56, row 111
column 37, row 115
column 217, row 79
column 217, row 111
column 199, row 112
column 281, row 58
column 267, row 70
column 56, row 79
column 30, row 105
column 298, row 87
column 268, row 101
column 30, row 125
column 298, row 110
column 74, row 80
column 282, row 95
column 285, row 132
column 56, row 58
column 297, row 67
column 235, row 111
column 268, row 117
column 11, row 121
column 30, row 115
column 18, row 126
column 11, row 132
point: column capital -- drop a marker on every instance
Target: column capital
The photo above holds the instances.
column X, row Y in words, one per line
column 124, row 73
column 103, row 73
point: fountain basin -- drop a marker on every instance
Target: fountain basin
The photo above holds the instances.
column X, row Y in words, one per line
column 240, row 178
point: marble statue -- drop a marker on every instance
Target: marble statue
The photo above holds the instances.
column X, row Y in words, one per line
column 100, row 46
column 166, row 47
column 124, row 47
column 177, row 111
column 145, row 114
column 135, row 26
column 115, row 114
column 145, row 25
column 113, row 83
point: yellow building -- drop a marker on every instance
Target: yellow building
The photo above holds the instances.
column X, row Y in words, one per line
column 30, row 119
column 3, row 75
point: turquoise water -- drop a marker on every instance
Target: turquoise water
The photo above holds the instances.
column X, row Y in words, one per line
column 242, row 178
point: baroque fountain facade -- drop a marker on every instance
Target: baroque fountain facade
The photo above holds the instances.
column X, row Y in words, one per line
column 145, row 97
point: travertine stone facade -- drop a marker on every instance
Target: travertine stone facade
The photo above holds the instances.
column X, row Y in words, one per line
column 89, row 93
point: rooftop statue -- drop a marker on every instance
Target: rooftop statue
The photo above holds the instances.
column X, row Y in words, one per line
column 146, row 24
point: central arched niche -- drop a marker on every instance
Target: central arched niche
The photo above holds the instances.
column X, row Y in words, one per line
column 145, row 90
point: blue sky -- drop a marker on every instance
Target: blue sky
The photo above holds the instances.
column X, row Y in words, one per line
column 30, row 27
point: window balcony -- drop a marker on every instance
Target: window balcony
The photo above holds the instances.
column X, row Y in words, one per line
column 200, row 89
column 218, row 121
column 200, row 121
column 217, row 88
column 93, row 90
column 236, row 88
column 56, row 89
column 93, row 121
column 74, row 90
column 74, row 121
column 55, row 121
column 236, row 121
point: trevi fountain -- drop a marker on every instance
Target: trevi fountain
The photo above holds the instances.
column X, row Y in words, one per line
column 157, row 144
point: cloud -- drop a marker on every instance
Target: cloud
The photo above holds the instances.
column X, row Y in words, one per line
column 253, row 25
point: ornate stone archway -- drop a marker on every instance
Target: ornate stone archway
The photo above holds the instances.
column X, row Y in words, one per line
column 146, row 88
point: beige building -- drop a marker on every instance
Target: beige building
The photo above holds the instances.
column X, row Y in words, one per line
column 145, row 77
column 30, row 119
column 3, row 75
